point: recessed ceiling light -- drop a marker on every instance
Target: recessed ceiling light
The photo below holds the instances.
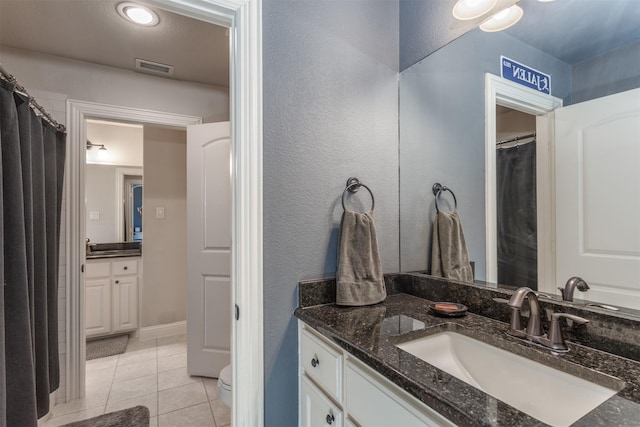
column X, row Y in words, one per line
column 138, row 14
column 471, row 9
column 503, row 19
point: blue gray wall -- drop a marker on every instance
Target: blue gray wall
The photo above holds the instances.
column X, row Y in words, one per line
column 604, row 75
column 442, row 136
column 426, row 26
column 330, row 112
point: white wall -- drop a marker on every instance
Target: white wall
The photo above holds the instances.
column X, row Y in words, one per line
column 107, row 85
column 123, row 143
column 164, row 247
column 514, row 123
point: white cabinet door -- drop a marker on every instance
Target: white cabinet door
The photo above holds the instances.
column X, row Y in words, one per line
column 208, row 248
column 97, row 306
column 372, row 403
column 316, row 410
column 598, row 197
column 125, row 303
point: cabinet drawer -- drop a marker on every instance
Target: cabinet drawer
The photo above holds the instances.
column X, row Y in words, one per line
column 125, row 268
column 321, row 363
column 97, row 270
column 372, row 403
column 316, row 409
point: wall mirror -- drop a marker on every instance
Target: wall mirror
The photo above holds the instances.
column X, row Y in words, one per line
column 591, row 50
column 114, row 182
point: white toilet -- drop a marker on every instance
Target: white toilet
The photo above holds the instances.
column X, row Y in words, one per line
column 224, row 385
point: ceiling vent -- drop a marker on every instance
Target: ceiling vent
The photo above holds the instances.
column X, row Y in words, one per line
column 154, row 67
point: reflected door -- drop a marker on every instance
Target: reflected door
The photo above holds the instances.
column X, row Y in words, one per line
column 208, row 248
column 598, row 197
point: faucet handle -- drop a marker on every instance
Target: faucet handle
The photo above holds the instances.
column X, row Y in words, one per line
column 555, row 317
column 556, row 340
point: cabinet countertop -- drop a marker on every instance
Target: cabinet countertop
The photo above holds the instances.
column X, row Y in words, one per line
column 371, row 334
column 99, row 256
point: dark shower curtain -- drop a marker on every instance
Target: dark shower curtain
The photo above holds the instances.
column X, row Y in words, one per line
column 516, row 216
column 33, row 153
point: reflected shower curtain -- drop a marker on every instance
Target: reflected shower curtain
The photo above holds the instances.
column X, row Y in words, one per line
column 32, row 158
column 517, row 216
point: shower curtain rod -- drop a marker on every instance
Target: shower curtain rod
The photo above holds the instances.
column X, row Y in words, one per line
column 32, row 101
column 517, row 138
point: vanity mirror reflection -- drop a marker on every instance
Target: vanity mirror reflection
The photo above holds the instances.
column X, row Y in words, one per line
column 587, row 173
column 113, row 182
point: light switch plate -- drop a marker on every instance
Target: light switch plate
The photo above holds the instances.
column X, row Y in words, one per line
column 160, row 212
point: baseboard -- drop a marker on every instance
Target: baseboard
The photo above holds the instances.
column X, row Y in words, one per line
column 160, row 331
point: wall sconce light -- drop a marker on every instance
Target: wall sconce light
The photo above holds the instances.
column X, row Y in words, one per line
column 90, row 145
column 503, row 19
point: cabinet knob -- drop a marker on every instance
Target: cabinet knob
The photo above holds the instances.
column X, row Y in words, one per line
column 126, row 268
column 315, row 362
column 330, row 419
column 117, row 281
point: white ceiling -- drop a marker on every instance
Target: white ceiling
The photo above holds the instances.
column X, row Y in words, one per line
column 92, row 31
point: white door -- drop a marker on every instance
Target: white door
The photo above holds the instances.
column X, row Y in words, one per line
column 208, row 248
column 598, row 197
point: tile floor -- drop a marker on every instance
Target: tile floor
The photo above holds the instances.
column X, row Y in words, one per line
column 151, row 373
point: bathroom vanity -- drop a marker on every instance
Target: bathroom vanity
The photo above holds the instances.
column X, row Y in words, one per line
column 353, row 370
column 111, row 295
column 337, row 388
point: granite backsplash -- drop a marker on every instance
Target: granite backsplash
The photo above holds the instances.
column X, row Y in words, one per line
column 614, row 333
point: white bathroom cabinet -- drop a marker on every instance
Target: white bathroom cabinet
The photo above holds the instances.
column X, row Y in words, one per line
column 337, row 389
column 111, row 296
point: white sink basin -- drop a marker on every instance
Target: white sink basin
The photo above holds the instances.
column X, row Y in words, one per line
column 550, row 395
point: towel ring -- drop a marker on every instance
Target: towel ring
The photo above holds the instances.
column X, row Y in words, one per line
column 353, row 185
column 438, row 189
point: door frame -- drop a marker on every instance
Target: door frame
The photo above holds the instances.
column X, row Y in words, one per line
column 500, row 91
column 77, row 114
column 244, row 20
column 121, row 220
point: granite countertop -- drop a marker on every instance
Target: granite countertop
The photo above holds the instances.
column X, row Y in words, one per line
column 372, row 333
column 113, row 250
column 114, row 254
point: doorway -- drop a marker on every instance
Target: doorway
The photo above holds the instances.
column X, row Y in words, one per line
column 133, row 208
column 244, row 20
column 517, row 237
column 501, row 93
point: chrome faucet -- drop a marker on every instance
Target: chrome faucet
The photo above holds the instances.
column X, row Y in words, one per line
column 533, row 332
column 570, row 287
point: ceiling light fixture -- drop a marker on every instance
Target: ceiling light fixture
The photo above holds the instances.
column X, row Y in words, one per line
column 503, row 19
column 471, row 9
column 90, row 145
column 138, row 14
